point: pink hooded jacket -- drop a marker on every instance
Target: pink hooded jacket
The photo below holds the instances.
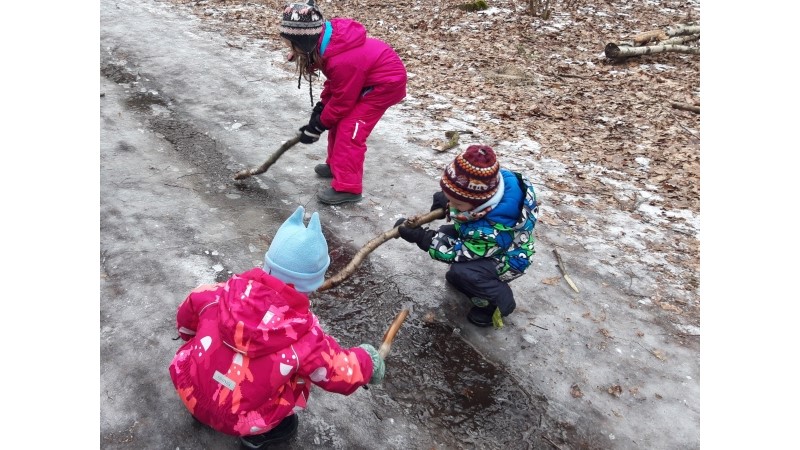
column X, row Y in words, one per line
column 253, row 348
column 351, row 62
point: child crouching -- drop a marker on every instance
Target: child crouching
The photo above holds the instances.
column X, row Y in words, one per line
column 253, row 347
column 491, row 239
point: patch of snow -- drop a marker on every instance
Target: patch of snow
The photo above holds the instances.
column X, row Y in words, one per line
column 493, row 10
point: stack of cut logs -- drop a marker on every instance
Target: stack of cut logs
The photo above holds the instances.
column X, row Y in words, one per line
column 680, row 38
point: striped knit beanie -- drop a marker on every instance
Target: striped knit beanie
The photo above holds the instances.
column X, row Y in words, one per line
column 302, row 24
column 473, row 176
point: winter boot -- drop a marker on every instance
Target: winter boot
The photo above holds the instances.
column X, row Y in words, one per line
column 481, row 316
column 283, row 432
column 331, row 196
column 323, row 170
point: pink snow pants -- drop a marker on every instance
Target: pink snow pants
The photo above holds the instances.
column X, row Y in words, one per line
column 347, row 140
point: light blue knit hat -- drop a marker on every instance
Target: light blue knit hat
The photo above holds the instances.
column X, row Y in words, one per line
column 299, row 255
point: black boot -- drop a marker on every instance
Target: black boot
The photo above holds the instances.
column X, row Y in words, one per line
column 481, row 315
column 283, row 432
column 331, row 196
column 323, row 170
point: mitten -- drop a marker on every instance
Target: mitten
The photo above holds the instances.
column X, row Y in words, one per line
column 315, row 121
column 316, row 113
column 378, row 366
column 420, row 236
column 449, row 230
column 439, row 201
column 309, row 135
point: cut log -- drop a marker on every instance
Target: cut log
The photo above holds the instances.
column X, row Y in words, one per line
column 682, row 30
column 678, row 40
column 614, row 51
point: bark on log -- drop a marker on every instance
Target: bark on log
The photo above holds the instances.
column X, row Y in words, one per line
column 682, row 30
column 686, row 107
column 375, row 242
column 242, row 174
column 680, row 40
column 614, row 51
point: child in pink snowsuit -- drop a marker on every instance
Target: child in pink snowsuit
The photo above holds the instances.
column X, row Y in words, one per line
column 253, row 347
column 364, row 77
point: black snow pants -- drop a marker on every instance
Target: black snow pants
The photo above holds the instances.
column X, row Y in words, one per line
column 479, row 279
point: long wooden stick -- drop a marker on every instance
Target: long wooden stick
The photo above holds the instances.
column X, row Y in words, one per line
column 242, row 174
column 412, row 222
column 388, row 338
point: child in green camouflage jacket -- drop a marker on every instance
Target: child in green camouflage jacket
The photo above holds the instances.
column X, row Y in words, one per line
column 491, row 239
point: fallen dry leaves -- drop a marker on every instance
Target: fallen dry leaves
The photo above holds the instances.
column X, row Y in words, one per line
column 551, row 281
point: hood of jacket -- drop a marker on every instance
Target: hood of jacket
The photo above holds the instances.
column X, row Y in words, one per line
column 508, row 210
column 347, row 35
column 260, row 314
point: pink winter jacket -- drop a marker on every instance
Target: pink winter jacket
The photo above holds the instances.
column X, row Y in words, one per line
column 351, row 62
column 252, row 349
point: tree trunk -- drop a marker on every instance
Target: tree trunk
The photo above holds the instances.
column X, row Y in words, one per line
column 375, row 242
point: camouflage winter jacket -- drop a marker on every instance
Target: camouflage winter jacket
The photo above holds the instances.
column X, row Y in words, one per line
column 505, row 233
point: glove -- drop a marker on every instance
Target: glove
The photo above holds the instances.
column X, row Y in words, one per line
column 378, row 366
column 440, row 201
column 420, row 236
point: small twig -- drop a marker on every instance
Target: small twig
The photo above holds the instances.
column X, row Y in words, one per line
column 537, row 326
column 584, row 77
column 551, row 442
column 685, row 107
column 661, row 358
column 175, row 185
column 564, row 272
column 190, row 174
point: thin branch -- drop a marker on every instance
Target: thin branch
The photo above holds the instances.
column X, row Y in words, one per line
column 685, row 107
column 242, row 174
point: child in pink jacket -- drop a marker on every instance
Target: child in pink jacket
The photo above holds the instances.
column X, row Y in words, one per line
column 364, row 77
column 253, row 347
